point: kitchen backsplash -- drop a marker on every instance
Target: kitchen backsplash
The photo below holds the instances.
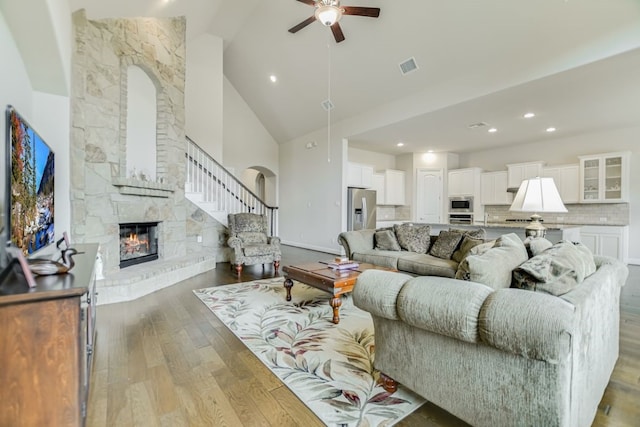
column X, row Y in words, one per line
column 393, row 213
column 583, row 214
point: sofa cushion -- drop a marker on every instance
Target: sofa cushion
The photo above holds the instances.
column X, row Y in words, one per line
column 387, row 259
column 451, row 308
column 465, row 246
column 494, row 267
column 252, row 237
column 557, row 270
column 413, row 237
column 427, row 265
column 536, row 326
column 446, row 244
column 386, row 241
column 258, row 249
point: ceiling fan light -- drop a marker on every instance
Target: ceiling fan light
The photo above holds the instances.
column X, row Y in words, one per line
column 328, row 15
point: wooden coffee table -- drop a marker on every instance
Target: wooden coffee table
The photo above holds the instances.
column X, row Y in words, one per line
column 320, row 276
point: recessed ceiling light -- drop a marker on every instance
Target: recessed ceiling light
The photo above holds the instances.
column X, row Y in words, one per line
column 429, row 151
column 492, row 130
column 528, row 115
column 273, row 78
column 400, row 144
column 551, row 129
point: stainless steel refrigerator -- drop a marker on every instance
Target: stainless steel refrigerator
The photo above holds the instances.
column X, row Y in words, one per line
column 361, row 205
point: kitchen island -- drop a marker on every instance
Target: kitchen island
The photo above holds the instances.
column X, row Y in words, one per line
column 555, row 232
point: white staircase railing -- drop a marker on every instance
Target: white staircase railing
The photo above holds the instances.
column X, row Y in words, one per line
column 215, row 190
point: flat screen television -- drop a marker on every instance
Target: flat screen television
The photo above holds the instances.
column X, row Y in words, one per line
column 31, row 170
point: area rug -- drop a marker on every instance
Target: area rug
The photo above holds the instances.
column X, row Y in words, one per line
column 329, row 367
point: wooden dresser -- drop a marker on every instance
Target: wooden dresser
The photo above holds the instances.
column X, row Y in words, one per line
column 46, row 344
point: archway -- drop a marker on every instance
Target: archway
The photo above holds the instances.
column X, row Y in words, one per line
column 262, row 182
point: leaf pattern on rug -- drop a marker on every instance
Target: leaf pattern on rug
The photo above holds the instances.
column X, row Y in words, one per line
column 329, row 367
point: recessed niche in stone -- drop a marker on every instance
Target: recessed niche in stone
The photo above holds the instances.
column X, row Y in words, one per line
column 138, row 243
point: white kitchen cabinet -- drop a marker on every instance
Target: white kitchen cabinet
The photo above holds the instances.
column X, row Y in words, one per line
column 518, row 172
column 604, row 178
column 378, row 185
column 464, row 182
column 390, row 187
column 359, row 175
column 567, row 180
column 493, row 189
column 612, row 241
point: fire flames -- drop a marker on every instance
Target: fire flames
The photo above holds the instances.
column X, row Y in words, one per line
column 133, row 244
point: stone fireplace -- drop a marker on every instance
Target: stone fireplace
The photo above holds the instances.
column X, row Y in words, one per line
column 106, row 195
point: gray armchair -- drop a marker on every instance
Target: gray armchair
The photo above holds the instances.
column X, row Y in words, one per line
column 251, row 244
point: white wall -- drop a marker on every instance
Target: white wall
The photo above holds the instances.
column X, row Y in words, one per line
column 379, row 161
column 566, row 150
column 48, row 114
column 204, row 94
column 313, row 203
column 246, row 141
column 15, row 90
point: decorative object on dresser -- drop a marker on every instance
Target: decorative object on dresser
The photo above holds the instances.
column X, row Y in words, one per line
column 46, row 346
column 537, row 195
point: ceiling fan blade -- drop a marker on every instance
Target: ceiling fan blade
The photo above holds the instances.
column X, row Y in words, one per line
column 309, row 2
column 337, row 32
column 303, row 24
column 371, row 12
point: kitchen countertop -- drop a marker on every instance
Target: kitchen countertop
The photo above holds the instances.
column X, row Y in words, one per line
column 548, row 226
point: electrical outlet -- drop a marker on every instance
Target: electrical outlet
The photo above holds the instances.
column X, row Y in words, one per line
column 199, row 239
column 560, row 218
column 603, row 219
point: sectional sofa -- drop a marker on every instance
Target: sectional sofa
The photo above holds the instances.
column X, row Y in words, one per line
column 410, row 248
column 522, row 337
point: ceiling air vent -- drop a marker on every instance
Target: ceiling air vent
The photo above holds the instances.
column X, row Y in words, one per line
column 408, row 66
column 327, row 105
column 477, row 125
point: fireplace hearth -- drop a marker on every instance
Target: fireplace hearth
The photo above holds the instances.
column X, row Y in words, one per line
column 138, row 243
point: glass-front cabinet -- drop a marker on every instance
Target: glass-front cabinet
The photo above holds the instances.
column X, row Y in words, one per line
column 604, row 178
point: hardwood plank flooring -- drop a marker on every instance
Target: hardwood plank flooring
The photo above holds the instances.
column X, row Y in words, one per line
column 166, row 360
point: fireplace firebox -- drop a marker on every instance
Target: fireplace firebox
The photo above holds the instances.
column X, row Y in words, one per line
column 138, row 243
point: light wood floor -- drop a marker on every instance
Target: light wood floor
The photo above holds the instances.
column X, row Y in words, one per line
column 166, row 360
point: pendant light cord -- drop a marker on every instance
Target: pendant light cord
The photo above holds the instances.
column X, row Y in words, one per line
column 329, row 103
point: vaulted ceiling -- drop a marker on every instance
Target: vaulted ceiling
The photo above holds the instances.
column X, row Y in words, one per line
column 575, row 63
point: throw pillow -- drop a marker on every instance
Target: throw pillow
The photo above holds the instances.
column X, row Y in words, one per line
column 413, row 237
column 482, row 248
column 556, row 270
column 478, row 233
column 445, row 244
column 536, row 245
column 493, row 268
column 386, row 241
column 465, row 246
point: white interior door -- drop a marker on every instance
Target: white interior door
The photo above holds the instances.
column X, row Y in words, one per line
column 429, row 188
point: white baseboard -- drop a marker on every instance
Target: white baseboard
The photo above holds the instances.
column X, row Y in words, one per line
column 332, row 251
column 633, row 261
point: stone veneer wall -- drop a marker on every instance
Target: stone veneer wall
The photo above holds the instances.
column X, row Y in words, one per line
column 102, row 196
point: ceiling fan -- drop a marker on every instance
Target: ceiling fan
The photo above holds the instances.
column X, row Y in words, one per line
column 329, row 13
